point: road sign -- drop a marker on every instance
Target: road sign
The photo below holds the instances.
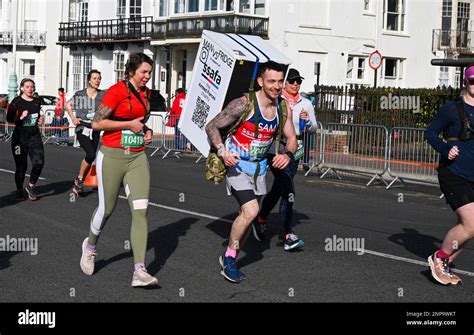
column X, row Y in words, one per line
column 375, row 60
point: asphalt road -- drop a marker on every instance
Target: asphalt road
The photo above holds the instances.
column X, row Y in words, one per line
column 189, row 222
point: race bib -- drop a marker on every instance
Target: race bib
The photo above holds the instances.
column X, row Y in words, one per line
column 132, row 140
column 259, row 149
column 300, row 151
column 30, row 120
column 86, row 131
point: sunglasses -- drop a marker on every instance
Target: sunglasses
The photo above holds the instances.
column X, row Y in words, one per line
column 471, row 81
column 299, row 81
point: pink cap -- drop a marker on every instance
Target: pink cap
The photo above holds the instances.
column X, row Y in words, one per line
column 469, row 72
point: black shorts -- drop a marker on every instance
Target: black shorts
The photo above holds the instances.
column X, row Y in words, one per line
column 457, row 190
column 244, row 196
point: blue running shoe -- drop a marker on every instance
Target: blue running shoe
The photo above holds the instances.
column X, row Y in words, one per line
column 292, row 242
column 229, row 269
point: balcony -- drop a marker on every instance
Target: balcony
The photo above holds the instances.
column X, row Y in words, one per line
column 24, row 38
column 227, row 23
column 102, row 31
column 452, row 41
column 145, row 29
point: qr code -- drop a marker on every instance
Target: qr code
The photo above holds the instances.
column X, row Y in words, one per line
column 200, row 113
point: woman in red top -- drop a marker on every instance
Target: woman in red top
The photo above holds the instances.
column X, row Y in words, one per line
column 122, row 159
column 173, row 118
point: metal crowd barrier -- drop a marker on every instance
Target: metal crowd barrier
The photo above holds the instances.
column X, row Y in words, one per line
column 155, row 122
column 5, row 129
column 355, row 148
column 174, row 141
column 411, row 157
column 313, row 145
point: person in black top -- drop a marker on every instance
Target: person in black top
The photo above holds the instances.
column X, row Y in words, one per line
column 456, row 175
column 24, row 112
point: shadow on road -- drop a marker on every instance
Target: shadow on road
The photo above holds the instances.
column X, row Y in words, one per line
column 252, row 248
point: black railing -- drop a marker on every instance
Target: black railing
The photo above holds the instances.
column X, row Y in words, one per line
column 145, row 29
column 227, row 23
column 24, row 38
column 106, row 30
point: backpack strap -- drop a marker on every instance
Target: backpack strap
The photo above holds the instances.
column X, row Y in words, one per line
column 283, row 115
column 462, row 113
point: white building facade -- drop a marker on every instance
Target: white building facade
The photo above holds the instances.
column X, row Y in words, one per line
column 329, row 41
column 37, row 55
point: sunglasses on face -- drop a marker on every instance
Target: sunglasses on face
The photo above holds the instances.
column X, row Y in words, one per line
column 471, row 81
column 298, row 81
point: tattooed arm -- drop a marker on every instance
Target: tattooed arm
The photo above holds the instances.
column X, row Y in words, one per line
column 224, row 119
column 101, row 121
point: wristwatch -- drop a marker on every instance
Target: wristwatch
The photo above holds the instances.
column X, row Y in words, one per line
column 290, row 154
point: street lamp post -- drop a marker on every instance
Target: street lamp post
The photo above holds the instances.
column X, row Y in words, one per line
column 13, row 85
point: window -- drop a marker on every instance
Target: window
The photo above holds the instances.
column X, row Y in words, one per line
column 367, row 5
column 83, row 11
column 122, row 8
column 119, row 66
column 227, row 4
column 462, row 29
column 135, row 9
column 463, row 10
column 446, row 18
column 76, row 72
column 78, row 10
column 186, row 6
column 444, row 76
column 210, row 5
column 260, row 7
column 244, row 6
column 447, row 7
column 27, row 68
column 163, row 8
column 193, row 6
column 393, row 68
column 394, row 15
column 87, row 67
column 356, row 68
column 457, row 77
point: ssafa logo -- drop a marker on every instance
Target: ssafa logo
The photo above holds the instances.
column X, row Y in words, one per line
column 37, row 318
column 212, row 76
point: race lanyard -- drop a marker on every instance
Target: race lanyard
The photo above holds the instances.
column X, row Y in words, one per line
column 137, row 95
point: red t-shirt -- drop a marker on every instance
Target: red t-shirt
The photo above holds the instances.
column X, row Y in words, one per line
column 117, row 98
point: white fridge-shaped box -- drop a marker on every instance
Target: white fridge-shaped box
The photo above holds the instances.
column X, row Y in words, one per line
column 223, row 70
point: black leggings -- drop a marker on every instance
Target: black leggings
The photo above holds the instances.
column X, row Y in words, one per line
column 89, row 146
column 26, row 141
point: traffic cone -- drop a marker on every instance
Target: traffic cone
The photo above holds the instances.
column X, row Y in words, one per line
column 91, row 178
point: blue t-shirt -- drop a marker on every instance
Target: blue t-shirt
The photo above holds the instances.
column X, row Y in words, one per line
column 447, row 121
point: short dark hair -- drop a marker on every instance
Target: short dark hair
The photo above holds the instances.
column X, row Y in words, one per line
column 61, row 89
column 271, row 65
column 180, row 90
column 91, row 72
column 134, row 62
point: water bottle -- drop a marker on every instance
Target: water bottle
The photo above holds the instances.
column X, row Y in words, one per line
column 302, row 125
